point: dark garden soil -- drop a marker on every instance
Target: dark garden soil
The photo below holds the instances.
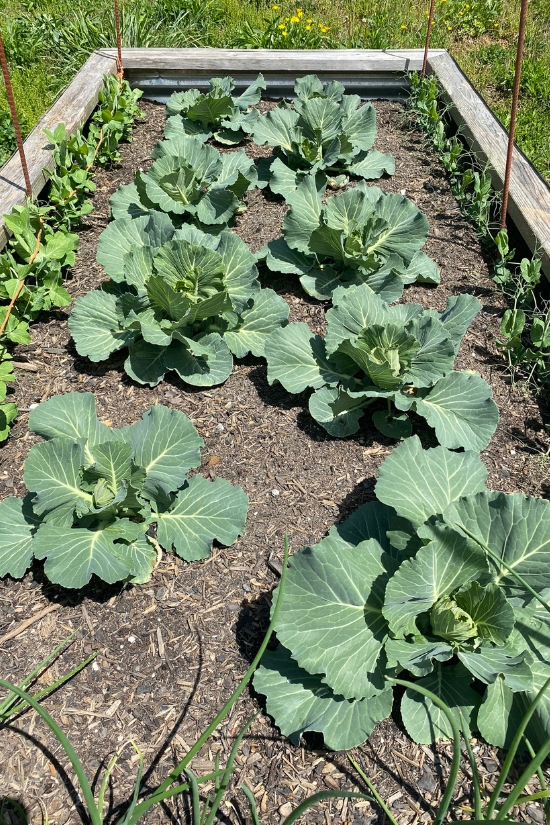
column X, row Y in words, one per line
column 169, row 653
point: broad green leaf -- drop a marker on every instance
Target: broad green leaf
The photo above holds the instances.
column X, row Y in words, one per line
column 203, row 511
column 297, row 359
column 540, row 727
column 138, row 266
column 489, row 609
column 305, row 210
column 424, row 721
column 488, row 663
column 113, row 462
column 202, row 362
column 458, row 315
column 417, row 656
column 267, row 313
column 178, row 127
column 17, row 527
column 210, row 108
column 166, row 445
column 407, row 228
column 421, row 483
column 320, row 120
column 422, row 270
column 341, row 422
column 217, row 206
column 164, row 297
column 240, row 279
column 392, row 425
column 331, row 614
column 370, row 521
column 121, row 236
column 496, row 720
column 283, row 180
column 348, row 210
column 353, row 310
column 360, row 127
column 277, row 128
column 437, row 570
column 142, row 557
column 252, row 94
column 72, row 415
column 146, row 363
column 300, row 702
column 53, row 470
column 96, row 328
column 372, row 165
column 237, row 173
column 515, row 527
column 461, row 410
column 73, row 555
column 436, row 355
column 281, row 258
column 131, row 201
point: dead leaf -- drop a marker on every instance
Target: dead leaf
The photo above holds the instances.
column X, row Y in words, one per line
column 214, row 460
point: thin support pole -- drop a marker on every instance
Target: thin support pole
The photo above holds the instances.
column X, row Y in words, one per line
column 428, row 35
column 15, row 119
column 513, row 113
column 120, row 72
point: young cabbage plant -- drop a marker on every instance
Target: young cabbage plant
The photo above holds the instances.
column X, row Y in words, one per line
column 323, row 130
column 189, row 182
column 96, row 492
column 188, row 304
column 359, row 236
column 402, row 355
column 440, row 578
column 214, row 113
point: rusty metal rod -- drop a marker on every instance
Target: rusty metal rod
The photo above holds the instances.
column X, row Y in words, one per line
column 120, row 71
column 15, row 119
column 513, row 112
column 428, row 35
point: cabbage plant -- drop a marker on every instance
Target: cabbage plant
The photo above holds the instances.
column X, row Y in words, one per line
column 439, row 578
column 322, row 130
column 96, row 493
column 189, row 182
column 359, row 236
column 214, row 113
column 401, row 355
column 179, row 300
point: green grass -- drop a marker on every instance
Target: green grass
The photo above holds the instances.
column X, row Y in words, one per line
column 47, row 40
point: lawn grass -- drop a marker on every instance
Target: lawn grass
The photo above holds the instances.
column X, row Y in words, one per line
column 47, row 40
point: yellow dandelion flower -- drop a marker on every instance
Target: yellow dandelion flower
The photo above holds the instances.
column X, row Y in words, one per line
column 467, row 6
column 403, row 27
column 433, row 22
column 275, row 8
column 461, row 12
column 282, row 26
column 449, row 28
column 287, row 19
column 284, row 34
column 300, row 14
column 308, row 28
column 495, row 25
column 309, row 21
column 294, row 19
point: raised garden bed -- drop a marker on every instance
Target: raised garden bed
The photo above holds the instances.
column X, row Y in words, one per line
column 170, row 652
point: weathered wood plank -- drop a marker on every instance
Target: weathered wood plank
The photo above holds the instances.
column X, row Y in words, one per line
column 276, row 60
column 73, row 108
column 529, row 201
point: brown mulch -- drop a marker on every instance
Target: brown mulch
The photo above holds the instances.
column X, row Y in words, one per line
column 169, row 653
